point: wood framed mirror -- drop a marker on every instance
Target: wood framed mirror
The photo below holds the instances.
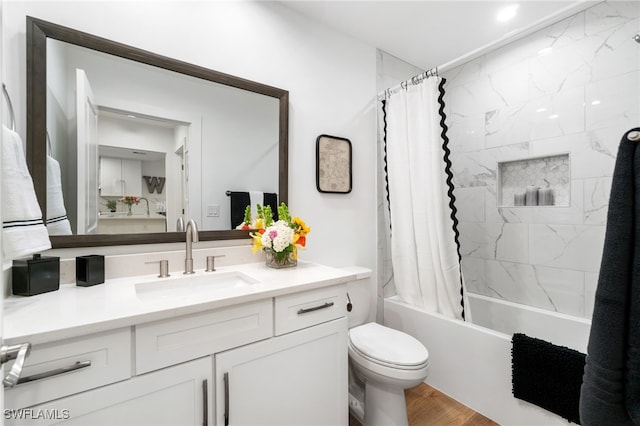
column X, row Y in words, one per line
column 39, row 32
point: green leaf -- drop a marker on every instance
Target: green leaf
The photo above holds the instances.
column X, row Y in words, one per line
column 247, row 215
column 268, row 216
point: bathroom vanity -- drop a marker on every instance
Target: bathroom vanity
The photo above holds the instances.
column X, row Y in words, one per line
column 241, row 345
column 121, row 223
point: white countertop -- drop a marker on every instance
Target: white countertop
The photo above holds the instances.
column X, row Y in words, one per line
column 74, row 311
column 123, row 216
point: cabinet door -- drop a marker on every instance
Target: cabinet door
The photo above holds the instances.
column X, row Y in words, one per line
column 179, row 395
column 110, row 177
column 132, row 177
column 120, row 177
column 295, row 379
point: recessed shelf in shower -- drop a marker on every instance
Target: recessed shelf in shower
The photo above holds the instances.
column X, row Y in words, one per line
column 548, row 177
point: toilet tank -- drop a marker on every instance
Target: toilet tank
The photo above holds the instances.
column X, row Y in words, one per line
column 362, row 294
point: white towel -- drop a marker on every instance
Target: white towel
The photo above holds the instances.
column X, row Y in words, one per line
column 57, row 221
column 23, row 231
column 256, row 197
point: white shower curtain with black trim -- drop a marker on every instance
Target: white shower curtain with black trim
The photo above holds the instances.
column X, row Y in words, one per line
column 424, row 246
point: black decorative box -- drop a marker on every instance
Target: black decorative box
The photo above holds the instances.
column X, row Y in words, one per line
column 89, row 270
column 35, row 275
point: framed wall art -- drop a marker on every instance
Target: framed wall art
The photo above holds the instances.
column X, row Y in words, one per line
column 333, row 164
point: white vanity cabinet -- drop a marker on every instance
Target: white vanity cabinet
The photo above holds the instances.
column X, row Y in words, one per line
column 120, row 177
column 295, row 379
column 298, row 377
column 62, row 368
column 178, row 395
column 279, row 360
column 168, row 342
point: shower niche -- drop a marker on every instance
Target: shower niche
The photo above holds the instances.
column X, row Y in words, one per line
column 536, row 181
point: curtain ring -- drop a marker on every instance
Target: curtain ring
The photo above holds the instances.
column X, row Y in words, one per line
column 403, row 85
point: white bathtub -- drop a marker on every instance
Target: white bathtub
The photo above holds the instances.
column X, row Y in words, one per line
column 472, row 364
column 509, row 318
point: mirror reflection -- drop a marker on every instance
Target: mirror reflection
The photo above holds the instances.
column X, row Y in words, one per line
column 141, row 147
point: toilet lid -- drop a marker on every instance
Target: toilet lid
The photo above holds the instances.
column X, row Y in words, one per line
column 388, row 345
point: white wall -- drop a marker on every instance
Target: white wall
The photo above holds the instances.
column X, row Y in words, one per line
column 330, row 77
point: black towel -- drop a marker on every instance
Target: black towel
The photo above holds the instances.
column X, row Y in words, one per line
column 240, row 200
column 632, row 366
column 613, row 338
column 271, row 199
column 547, row 375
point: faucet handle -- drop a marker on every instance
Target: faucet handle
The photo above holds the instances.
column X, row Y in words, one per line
column 164, row 267
column 210, row 262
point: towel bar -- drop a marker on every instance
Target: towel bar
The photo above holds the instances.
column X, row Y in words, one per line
column 49, row 149
column 12, row 116
column 634, row 136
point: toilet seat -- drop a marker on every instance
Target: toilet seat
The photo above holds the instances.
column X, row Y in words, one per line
column 398, row 350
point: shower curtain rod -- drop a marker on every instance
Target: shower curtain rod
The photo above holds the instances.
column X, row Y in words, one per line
column 414, row 81
column 570, row 10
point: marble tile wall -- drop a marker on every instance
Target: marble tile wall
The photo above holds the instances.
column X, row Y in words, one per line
column 572, row 87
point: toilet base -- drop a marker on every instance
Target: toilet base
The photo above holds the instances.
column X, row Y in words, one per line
column 384, row 406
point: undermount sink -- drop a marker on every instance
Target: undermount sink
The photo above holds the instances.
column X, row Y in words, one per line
column 192, row 285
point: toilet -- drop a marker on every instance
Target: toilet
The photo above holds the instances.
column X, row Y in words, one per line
column 383, row 362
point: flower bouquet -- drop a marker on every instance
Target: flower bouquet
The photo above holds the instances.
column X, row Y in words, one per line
column 129, row 201
column 279, row 240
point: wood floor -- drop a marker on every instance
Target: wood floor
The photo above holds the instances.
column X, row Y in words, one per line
column 429, row 407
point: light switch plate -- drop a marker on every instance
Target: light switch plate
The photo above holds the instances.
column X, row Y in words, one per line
column 213, row 210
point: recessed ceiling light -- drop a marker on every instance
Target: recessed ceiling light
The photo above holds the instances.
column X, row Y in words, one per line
column 596, row 102
column 553, row 116
column 131, row 116
column 507, row 13
column 541, row 110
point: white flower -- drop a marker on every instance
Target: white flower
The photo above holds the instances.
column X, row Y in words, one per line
column 278, row 236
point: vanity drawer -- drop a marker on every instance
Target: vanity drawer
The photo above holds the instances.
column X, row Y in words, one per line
column 308, row 308
column 93, row 361
column 171, row 341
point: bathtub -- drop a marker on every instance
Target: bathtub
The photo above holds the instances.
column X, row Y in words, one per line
column 472, row 363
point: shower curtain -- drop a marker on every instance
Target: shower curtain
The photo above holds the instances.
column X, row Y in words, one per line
column 424, row 245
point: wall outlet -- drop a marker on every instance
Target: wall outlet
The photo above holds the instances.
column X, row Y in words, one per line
column 213, row 210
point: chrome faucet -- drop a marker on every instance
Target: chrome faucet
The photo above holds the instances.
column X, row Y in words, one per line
column 142, row 198
column 192, row 236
